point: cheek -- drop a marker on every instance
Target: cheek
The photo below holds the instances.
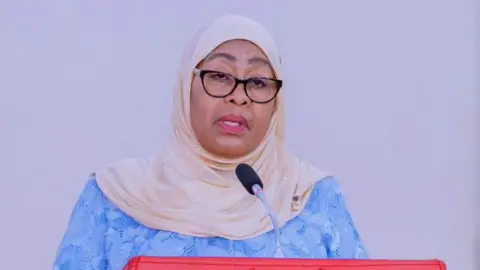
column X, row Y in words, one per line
column 201, row 106
column 196, row 104
column 264, row 113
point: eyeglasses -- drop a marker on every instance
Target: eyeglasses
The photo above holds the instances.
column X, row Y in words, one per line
column 220, row 85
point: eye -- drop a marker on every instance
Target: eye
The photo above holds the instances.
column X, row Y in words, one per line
column 258, row 83
column 219, row 76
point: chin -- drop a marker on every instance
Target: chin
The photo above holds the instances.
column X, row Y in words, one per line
column 231, row 147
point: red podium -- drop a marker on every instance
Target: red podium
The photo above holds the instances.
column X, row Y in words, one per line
column 191, row 263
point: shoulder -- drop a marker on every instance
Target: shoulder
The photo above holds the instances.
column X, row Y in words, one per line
column 327, row 184
column 91, row 187
column 326, row 196
column 327, row 209
column 327, row 187
column 92, row 198
column 90, row 203
column 91, row 193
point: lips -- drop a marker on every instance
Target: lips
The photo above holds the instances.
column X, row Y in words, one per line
column 232, row 124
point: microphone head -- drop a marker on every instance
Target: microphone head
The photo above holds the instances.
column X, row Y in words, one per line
column 248, row 177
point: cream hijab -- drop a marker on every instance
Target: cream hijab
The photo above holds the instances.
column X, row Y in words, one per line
column 187, row 190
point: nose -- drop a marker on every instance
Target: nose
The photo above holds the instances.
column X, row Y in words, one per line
column 239, row 96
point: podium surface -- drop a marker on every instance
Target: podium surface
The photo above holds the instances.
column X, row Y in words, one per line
column 191, row 263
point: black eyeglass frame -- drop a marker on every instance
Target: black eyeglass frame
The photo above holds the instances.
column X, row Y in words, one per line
column 203, row 72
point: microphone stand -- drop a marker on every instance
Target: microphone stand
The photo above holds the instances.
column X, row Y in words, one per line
column 258, row 191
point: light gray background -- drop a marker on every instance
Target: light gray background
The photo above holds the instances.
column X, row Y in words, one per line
column 383, row 93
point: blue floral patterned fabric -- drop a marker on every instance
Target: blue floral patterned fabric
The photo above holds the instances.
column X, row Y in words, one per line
column 101, row 236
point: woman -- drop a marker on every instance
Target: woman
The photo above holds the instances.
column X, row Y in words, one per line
column 187, row 201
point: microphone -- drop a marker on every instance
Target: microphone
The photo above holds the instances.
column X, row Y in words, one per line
column 252, row 183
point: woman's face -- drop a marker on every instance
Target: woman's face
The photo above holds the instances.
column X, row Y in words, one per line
column 231, row 126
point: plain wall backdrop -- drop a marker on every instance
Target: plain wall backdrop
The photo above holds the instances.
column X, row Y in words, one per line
column 382, row 93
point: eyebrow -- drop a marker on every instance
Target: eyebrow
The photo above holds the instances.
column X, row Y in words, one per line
column 231, row 58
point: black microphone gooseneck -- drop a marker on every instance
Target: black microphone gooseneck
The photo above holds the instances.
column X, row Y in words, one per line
column 252, row 183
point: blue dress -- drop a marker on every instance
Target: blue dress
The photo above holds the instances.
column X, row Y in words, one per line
column 101, row 236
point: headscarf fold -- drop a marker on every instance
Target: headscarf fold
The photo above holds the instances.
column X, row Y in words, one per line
column 186, row 189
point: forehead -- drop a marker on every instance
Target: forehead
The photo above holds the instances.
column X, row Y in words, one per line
column 239, row 50
column 239, row 45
